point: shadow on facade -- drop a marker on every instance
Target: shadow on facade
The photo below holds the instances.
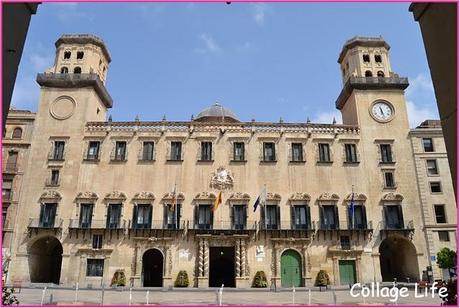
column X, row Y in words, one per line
column 45, row 258
column 398, row 259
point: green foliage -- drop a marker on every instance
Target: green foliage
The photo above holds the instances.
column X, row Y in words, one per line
column 119, row 279
column 260, row 280
column 181, row 280
column 446, row 258
column 8, row 297
column 452, row 295
column 322, row 279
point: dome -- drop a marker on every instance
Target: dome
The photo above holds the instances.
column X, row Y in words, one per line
column 217, row 113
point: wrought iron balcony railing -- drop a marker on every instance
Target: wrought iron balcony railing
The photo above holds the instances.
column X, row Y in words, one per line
column 223, row 225
column 97, row 224
column 36, row 223
column 157, row 225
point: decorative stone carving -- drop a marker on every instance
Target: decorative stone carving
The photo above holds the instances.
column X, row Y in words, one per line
column 115, row 195
column 238, row 258
column 357, row 197
column 328, row 197
column 239, row 196
column 50, row 195
column 221, row 179
column 392, row 197
column 87, row 195
column 273, row 196
column 144, row 195
column 206, row 259
column 300, row 197
column 201, row 259
column 169, row 196
column 205, row 196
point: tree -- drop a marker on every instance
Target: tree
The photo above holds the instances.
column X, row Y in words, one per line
column 446, row 258
column 8, row 297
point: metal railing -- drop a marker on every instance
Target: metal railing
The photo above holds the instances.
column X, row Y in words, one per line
column 157, row 225
column 52, row 182
column 223, row 225
column 397, row 226
column 380, row 80
column 97, row 224
column 40, row 224
column 347, row 225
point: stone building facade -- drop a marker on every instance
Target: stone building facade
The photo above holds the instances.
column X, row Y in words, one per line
column 437, row 194
column 102, row 196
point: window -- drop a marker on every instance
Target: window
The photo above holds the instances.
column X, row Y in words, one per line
column 345, row 243
column 172, row 216
column 443, row 236
column 54, row 180
column 440, row 213
column 7, row 189
column 58, row 153
column 147, row 150
column 435, row 187
column 239, row 214
column 238, row 151
column 77, row 70
column 432, row 167
column 97, row 241
column 86, row 215
column 47, row 215
column 329, row 217
column 269, row 151
column 350, row 153
column 204, row 217
column 385, row 153
column 357, row 217
column 380, row 74
column 324, row 153
column 113, row 216
column 95, row 267
column 297, row 152
column 17, row 133
column 80, row 55
column 368, row 74
column 428, row 144
column 366, row 58
column 12, row 161
column 300, row 217
column 120, row 150
column 67, row 55
column 176, row 150
column 389, row 179
column 142, row 216
column 393, row 217
column 206, row 150
column 93, row 150
column 64, row 70
column 378, row 58
column 271, row 216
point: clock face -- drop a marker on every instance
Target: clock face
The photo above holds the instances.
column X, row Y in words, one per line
column 382, row 111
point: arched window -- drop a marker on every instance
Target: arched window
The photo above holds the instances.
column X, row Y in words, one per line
column 366, row 58
column 64, row 70
column 17, row 133
column 77, row 70
column 67, row 54
column 380, row 74
column 80, row 55
column 368, row 74
column 378, row 58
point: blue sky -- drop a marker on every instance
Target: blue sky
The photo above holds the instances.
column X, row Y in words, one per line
column 263, row 61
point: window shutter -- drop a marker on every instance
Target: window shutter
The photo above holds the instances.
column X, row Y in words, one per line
column 330, row 152
column 195, row 210
column 336, row 217
column 401, row 218
column 232, row 217
column 178, row 214
column 307, row 209
column 278, row 216
column 126, row 151
column 385, row 216
column 42, row 210
column 51, row 152
column 262, row 216
column 90, row 215
column 149, row 223
column 245, row 215
column 134, row 224
column 165, row 216
column 364, row 216
column 350, row 216
column 109, row 214
column 293, row 222
column 322, row 217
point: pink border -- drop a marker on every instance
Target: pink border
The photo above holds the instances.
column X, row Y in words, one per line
column 244, row 1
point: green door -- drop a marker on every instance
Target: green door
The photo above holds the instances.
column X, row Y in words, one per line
column 291, row 269
column 347, row 270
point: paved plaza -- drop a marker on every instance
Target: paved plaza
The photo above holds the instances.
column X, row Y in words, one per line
column 59, row 296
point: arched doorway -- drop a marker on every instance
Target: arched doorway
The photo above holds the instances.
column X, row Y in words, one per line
column 291, row 269
column 398, row 259
column 152, row 268
column 45, row 258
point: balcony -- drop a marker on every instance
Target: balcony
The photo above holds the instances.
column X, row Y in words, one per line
column 157, row 228
column 388, row 229
column 36, row 225
column 347, row 225
column 52, row 182
column 288, row 229
column 75, row 226
column 346, row 247
column 222, row 227
column 10, row 168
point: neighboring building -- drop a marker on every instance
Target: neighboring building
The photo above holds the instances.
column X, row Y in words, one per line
column 99, row 195
column 15, row 152
column 437, row 194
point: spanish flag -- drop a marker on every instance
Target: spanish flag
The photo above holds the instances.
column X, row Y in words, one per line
column 217, row 202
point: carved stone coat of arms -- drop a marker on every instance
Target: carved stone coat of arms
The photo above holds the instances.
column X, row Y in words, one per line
column 221, row 179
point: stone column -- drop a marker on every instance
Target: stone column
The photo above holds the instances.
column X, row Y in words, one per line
column 335, row 270
column 276, row 267
column 306, row 267
column 244, row 263
column 106, row 280
column 203, row 253
column 200, row 258
column 167, row 279
column 66, row 270
column 206, row 258
column 238, row 258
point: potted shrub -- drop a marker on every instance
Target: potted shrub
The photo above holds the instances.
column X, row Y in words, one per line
column 181, row 280
column 260, row 280
column 322, row 279
column 118, row 279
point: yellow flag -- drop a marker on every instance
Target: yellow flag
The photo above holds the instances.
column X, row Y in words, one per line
column 217, row 202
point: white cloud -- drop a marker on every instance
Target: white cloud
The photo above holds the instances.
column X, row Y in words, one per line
column 40, row 63
column 326, row 117
column 26, row 93
column 259, row 13
column 417, row 114
column 69, row 12
column 210, row 45
column 420, row 83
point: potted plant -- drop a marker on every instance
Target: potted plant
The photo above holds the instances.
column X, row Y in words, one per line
column 260, row 280
column 322, row 279
column 118, row 279
column 181, row 280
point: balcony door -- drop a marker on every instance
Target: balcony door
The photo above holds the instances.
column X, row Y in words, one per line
column 300, row 217
column 113, row 216
column 203, row 217
column 393, row 217
column 239, row 214
column 47, row 215
column 86, row 215
column 142, row 216
column 172, row 216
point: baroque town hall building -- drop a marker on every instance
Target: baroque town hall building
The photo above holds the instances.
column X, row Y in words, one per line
column 99, row 196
